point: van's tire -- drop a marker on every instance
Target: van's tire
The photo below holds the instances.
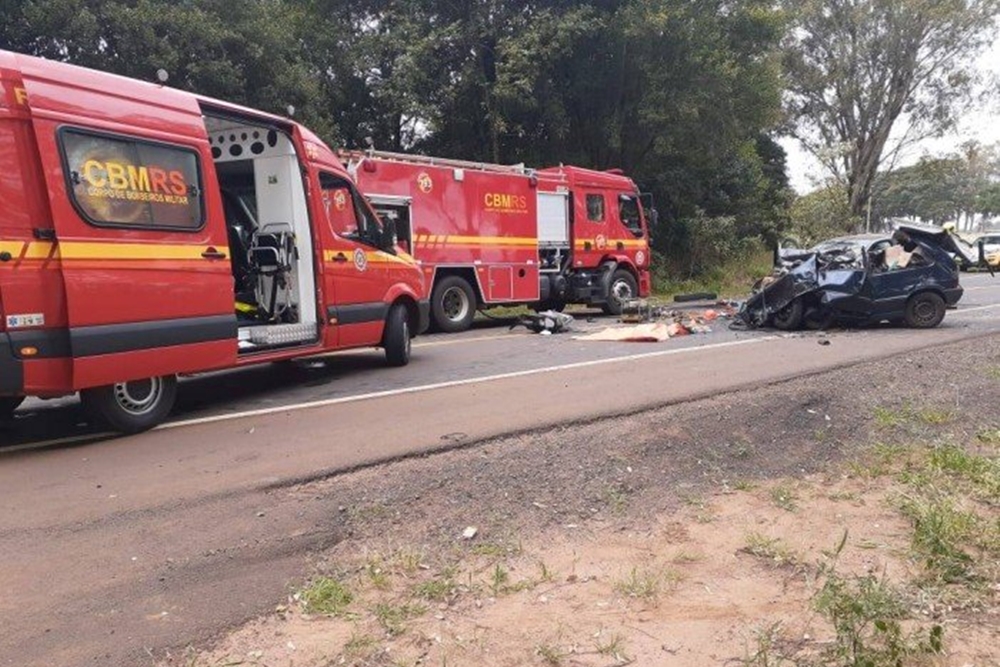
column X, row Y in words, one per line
column 924, row 310
column 8, row 404
column 453, row 304
column 396, row 337
column 131, row 407
column 789, row 318
column 623, row 288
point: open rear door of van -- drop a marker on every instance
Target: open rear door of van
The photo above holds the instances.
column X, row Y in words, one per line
column 143, row 250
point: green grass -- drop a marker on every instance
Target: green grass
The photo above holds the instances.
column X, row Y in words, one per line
column 866, row 614
column 981, row 472
column 550, row 655
column 784, row 497
column 326, row 595
column 887, row 417
column 935, row 416
column 990, row 436
column 393, row 617
column 730, row 279
column 941, row 536
column 613, row 647
column 358, row 648
column 770, row 549
column 437, row 589
column 645, row 584
column 616, row 498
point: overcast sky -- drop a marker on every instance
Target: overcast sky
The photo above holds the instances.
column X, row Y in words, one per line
column 981, row 124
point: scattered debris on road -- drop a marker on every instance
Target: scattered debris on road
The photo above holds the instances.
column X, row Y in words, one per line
column 548, row 322
column 652, row 322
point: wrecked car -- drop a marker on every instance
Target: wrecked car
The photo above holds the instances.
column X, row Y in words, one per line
column 907, row 278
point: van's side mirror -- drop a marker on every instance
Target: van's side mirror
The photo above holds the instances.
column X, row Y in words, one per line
column 388, row 240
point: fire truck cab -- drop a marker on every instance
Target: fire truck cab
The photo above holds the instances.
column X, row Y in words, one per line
column 148, row 232
column 488, row 235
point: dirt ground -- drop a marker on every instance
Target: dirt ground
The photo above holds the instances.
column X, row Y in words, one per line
column 714, row 532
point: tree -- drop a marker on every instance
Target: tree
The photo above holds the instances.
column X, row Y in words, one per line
column 866, row 78
column 822, row 214
column 246, row 51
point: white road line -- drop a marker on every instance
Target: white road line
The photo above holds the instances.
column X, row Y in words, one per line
column 972, row 310
column 455, row 383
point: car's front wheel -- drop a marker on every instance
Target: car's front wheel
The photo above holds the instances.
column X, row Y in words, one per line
column 924, row 310
column 789, row 318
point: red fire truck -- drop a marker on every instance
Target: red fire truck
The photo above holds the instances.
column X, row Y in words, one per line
column 488, row 235
column 147, row 232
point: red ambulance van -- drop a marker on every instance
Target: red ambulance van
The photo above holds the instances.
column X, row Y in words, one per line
column 147, row 232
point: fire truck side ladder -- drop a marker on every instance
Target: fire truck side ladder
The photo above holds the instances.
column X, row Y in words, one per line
column 436, row 161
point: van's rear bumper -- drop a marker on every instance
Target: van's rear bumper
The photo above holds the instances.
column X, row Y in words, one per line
column 11, row 370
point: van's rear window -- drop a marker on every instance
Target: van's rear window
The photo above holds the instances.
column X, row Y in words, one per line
column 117, row 181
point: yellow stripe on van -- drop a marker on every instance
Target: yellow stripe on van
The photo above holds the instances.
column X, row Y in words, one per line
column 31, row 249
column 152, row 251
column 435, row 239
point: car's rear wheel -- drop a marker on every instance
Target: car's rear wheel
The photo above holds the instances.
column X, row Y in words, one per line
column 924, row 310
column 8, row 404
column 133, row 406
column 789, row 318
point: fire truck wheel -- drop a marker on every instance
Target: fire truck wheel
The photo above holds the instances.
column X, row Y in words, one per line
column 131, row 407
column 8, row 404
column 396, row 338
column 623, row 289
column 453, row 304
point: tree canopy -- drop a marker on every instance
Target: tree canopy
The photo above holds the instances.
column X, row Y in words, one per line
column 684, row 96
column 866, row 78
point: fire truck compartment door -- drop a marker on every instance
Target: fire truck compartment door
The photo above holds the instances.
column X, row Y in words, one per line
column 501, row 283
column 141, row 241
column 553, row 219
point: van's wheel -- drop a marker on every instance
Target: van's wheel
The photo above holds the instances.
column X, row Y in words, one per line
column 396, row 337
column 924, row 310
column 623, row 288
column 453, row 304
column 8, row 404
column 134, row 406
column 789, row 318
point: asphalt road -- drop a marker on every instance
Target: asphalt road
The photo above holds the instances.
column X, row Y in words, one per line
column 113, row 547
